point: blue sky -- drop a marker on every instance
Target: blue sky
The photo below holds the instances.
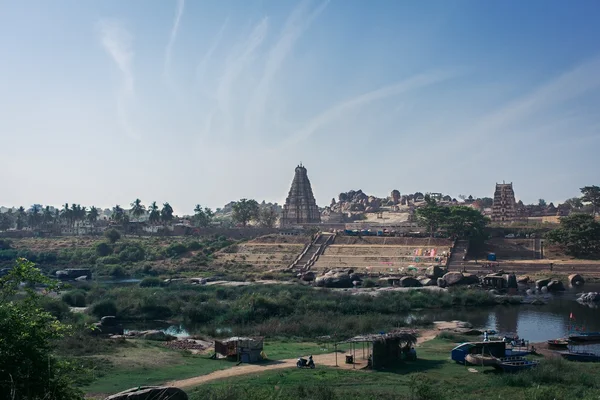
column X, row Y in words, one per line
column 205, row 102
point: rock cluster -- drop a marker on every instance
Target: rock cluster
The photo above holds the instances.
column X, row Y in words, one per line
column 186, row 344
column 549, row 285
column 107, row 326
column 155, row 335
column 591, row 297
column 338, row 278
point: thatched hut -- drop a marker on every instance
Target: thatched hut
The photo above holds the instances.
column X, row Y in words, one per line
column 244, row 349
column 386, row 349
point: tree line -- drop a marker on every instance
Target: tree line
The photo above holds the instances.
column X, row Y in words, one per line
column 244, row 212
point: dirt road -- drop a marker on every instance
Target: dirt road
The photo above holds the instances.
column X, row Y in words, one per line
column 328, row 360
column 245, row 369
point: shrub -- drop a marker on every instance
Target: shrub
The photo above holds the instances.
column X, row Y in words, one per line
column 131, row 252
column 193, row 246
column 5, row 244
column 369, row 283
column 103, row 249
column 175, row 249
column 109, row 260
column 151, row 282
column 112, row 235
column 56, row 307
column 118, row 272
column 104, row 308
column 74, row 298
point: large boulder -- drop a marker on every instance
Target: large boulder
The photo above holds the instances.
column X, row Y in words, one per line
column 576, row 280
column 522, row 279
column 158, row 336
column 540, row 283
column 453, row 278
column 308, row 276
column 469, row 279
column 434, row 272
column 555, row 286
column 100, row 329
column 591, row 297
column 428, row 282
column 336, row 280
column 109, row 320
column 409, row 281
column 150, row 393
column 441, row 282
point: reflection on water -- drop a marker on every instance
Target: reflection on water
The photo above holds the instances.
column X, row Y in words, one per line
column 534, row 323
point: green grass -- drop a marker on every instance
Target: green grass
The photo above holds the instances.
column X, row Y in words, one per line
column 433, row 376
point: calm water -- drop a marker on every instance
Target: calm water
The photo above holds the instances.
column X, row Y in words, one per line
column 533, row 323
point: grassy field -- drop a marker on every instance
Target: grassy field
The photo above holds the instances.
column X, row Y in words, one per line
column 139, row 362
column 433, row 376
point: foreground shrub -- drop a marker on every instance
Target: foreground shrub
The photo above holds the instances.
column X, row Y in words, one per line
column 151, row 282
column 74, row 298
column 104, row 308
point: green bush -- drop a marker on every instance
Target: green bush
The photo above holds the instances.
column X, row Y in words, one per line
column 193, row 246
column 57, row 308
column 104, row 308
column 369, row 283
column 5, row 244
column 75, row 298
column 109, row 260
column 118, row 272
column 103, row 249
column 151, row 282
column 175, row 250
column 131, row 252
column 112, row 235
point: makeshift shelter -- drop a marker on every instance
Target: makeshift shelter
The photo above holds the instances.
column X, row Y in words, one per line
column 385, row 350
column 244, row 349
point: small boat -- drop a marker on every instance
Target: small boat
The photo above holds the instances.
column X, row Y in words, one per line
column 580, row 356
column 516, row 365
column 585, row 337
column 480, row 359
column 558, row 343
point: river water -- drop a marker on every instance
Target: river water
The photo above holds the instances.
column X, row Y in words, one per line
column 536, row 323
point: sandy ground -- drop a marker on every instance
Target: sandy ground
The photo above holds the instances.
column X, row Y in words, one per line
column 245, row 369
column 328, row 360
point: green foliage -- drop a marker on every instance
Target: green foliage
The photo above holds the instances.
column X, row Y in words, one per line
column 28, row 370
column 579, row 235
column 456, row 221
column 203, row 216
column 104, row 308
column 5, row 244
column 75, row 298
column 267, row 217
column 130, row 252
column 591, row 194
column 369, row 283
column 151, row 282
column 176, row 249
column 245, row 211
column 118, row 272
column 103, row 249
column 112, row 235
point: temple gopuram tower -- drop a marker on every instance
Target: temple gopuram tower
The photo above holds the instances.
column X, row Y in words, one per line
column 300, row 206
column 504, row 208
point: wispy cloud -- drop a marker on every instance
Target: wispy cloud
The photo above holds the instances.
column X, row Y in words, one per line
column 297, row 23
column 201, row 68
column 172, row 37
column 354, row 104
column 237, row 61
column 118, row 43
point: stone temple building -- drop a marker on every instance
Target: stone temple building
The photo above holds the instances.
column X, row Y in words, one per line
column 504, row 208
column 300, row 206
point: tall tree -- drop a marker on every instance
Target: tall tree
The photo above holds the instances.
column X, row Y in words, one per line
column 21, row 217
column 34, row 217
column 591, row 194
column 92, row 217
column 542, row 203
column 117, row 214
column 464, row 222
column 267, row 217
column 137, row 209
column 5, row 222
column 203, row 216
column 28, row 369
column 166, row 213
column 579, row 235
column 47, row 217
column 431, row 216
column 245, row 211
column 574, row 203
column 154, row 216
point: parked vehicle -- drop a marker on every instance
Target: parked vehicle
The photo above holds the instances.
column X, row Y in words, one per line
column 304, row 363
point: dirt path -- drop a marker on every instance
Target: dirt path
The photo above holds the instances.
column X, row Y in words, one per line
column 328, row 360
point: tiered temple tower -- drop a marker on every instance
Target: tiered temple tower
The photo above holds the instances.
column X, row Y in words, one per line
column 504, row 208
column 300, row 206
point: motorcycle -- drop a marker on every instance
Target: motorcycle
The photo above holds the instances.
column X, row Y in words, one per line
column 304, row 363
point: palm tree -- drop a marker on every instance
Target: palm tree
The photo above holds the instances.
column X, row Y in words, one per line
column 117, row 213
column 34, row 215
column 154, row 216
column 137, row 209
column 166, row 214
column 21, row 215
column 92, row 216
column 47, row 217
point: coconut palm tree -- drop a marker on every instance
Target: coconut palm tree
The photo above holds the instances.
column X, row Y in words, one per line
column 137, row 209
column 117, row 213
column 47, row 217
column 154, row 216
column 92, row 217
column 166, row 214
column 21, row 216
